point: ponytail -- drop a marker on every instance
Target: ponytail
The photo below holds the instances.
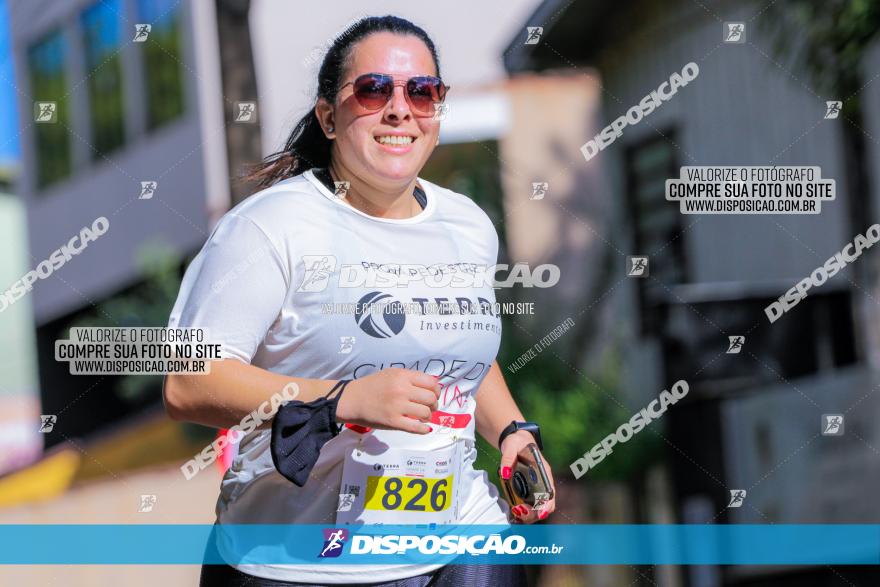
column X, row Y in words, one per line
column 306, row 147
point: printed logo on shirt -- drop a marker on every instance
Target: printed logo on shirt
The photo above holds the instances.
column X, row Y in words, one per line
column 380, row 315
column 460, row 398
column 334, row 540
column 450, row 420
column 454, row 368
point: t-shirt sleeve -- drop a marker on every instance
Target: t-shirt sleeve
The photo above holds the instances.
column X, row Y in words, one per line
column 234, row 288
column 493, row 243
column 490, row 233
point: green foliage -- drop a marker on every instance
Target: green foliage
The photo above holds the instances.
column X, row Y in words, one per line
column 575, row 412
column 163, row 57
column 826, row 39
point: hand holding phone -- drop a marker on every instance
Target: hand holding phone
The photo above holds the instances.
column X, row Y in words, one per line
column 529, row 483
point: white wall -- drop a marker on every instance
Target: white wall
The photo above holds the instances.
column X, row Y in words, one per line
column 742, row 109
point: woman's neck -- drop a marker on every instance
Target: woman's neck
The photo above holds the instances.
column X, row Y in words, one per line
column 397, row 204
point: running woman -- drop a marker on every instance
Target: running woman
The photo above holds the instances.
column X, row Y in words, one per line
column 272, row 284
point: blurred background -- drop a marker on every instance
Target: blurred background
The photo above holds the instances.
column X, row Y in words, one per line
column 165, row 108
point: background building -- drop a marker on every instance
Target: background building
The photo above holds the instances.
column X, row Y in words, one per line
column 753, row 419
column 151, row 124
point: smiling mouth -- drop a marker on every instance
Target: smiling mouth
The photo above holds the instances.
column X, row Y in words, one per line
column 394, row 140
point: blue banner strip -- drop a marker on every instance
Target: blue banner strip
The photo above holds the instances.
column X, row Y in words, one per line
column 575, row 544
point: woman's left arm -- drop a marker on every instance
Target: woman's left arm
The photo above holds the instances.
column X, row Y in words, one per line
column 495, row 410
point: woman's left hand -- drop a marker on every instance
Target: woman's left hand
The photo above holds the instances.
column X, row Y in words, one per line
column 523, row 513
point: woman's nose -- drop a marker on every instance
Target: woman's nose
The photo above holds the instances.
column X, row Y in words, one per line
column 398, row 107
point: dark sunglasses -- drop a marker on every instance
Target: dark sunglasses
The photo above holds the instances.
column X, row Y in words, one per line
column 374, row 90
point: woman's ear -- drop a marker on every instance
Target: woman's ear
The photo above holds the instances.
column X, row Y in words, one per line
column 325, row 115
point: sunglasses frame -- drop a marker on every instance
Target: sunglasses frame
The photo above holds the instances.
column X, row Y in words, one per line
column 442, row 90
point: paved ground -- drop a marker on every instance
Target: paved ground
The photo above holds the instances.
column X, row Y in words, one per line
column 116, row 501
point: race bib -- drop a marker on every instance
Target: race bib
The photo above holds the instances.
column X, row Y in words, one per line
column 401, row 486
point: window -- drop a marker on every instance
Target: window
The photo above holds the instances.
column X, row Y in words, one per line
column 101, row 25
column 816, row 337
column 48, row 84
column 163, row 60
column 656, row 223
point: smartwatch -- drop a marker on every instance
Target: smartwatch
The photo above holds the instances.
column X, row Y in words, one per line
column 516, row 426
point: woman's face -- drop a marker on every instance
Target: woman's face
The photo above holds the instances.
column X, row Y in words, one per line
column 357, row 131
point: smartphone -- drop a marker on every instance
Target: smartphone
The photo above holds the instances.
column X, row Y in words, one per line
column 529, row 483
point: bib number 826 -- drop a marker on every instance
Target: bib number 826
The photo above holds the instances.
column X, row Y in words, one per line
column 416, row 494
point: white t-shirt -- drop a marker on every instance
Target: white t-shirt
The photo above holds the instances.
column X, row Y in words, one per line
column 261, row 285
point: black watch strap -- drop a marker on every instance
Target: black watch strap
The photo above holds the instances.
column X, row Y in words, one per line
column 517, row 426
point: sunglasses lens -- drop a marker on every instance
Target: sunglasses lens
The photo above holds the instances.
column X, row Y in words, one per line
column 373, row 91
column 423, row 93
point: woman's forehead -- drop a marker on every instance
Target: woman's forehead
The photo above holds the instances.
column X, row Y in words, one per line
column 393, row 54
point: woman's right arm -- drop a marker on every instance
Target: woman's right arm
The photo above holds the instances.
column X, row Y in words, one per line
column 235, row 289
column 230, row 391
column 392, row 399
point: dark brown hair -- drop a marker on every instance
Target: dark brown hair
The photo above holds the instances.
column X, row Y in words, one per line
column 307, row 146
